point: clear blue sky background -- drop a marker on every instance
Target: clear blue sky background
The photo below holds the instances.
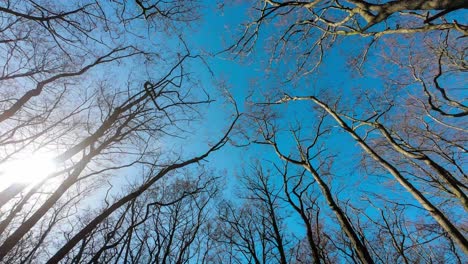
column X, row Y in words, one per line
column 220, row 29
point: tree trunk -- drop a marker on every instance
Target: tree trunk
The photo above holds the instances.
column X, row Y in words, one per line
column 440, row 218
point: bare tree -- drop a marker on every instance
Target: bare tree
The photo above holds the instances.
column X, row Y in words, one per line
column 454, row 232
column 90, row 84
column 301, row 32
column 263, row 194
column 160, row 226
column 305, row 158
column 255, row 228
column 409, row 125
column 80, row 83
column 301, row 196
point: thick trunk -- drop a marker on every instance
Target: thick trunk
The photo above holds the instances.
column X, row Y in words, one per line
column 383, row 11
column 101, row 217
column 62, row 252
column 10, row 192
column 440, row 218
column 447, row 177
column 345, row 224
column 401, row 5
column 25, row 227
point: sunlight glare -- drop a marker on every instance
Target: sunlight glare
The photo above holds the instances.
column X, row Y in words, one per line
column 28, row 169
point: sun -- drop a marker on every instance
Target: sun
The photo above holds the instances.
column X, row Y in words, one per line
column 28, row 168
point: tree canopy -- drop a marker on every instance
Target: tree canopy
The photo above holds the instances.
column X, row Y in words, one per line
column 190, row 131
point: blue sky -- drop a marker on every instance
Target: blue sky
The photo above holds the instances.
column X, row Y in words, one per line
column 353, row 176
column 219, row 29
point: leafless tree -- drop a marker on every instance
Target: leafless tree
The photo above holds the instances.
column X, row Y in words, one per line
column 301, row 196
column 409, row 124
column 254, row 228
column 78, row 81
column 159, row 226
column 453, row 231
column 303, row 31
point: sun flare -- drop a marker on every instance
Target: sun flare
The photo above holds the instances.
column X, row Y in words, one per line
column 27, row 169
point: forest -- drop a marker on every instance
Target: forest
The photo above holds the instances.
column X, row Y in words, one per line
column 244, row 131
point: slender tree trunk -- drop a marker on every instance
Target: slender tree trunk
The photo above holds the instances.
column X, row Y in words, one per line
column 360, row 248
column 440, row 218
column 307, row 222
column 62, row 252
column 278, row 238
column 25, row 227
